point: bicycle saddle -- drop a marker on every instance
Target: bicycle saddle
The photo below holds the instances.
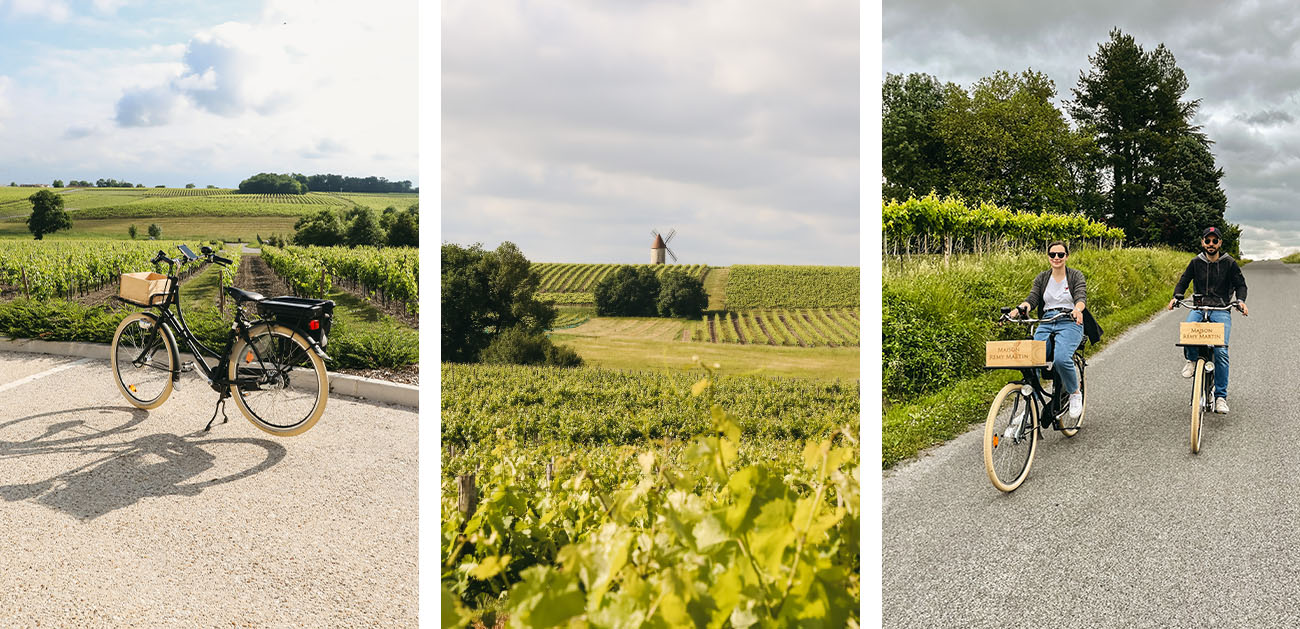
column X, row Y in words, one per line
column 240, row 294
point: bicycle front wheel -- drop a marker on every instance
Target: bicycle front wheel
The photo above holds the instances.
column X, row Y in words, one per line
column 1010, row 438
column 1198, row 404
column 279, row 383
column 143, row 359
column 1070, row 427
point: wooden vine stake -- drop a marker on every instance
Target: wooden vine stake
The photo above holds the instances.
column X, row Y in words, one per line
column 550, row 470
column 468, row 494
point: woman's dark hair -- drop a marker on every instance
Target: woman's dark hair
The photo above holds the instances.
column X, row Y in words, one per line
column 1058, row 242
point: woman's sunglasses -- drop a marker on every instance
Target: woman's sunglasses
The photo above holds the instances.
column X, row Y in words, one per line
column 1057, row 254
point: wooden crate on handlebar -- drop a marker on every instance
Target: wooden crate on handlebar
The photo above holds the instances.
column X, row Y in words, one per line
column 1025, row 353
column 1197, row 333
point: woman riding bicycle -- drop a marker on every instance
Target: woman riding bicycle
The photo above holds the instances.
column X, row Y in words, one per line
column 1057, row 290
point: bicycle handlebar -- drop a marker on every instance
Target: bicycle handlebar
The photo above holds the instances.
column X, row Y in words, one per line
column 1190, row 304
column 1064, row 315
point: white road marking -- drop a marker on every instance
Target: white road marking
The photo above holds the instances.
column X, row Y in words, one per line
column 47, row 372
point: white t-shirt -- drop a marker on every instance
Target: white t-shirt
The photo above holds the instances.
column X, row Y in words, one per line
column 1057, row 295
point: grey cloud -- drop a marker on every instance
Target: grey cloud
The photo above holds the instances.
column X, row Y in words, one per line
column 324, row 148
column 148, row 107
column 76, row 132
column 551, row 120
column 216, row 69
column 1269, row 118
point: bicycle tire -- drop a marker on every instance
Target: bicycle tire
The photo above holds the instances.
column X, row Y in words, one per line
column 1198, row 404
column 1070, row 427
column 276, row 351
column 1019, row 454
column 128, row 343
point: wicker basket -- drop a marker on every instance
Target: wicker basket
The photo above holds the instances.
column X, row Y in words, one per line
column 143, row 289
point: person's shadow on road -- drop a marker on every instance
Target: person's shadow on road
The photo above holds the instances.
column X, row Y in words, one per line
column 125, row 471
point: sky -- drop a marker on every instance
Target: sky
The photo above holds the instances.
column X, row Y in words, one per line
column 1241, row 61
column 168, row 93
column 573, row 128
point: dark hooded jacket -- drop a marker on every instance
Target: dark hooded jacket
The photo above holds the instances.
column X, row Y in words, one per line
column 1213, row 281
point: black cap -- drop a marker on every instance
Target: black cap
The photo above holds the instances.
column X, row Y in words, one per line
column 1211, row 230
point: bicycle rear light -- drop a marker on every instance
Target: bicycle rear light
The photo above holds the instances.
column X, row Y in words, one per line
column 314, row 325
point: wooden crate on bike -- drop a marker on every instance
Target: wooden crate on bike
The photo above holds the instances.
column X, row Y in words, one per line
column 143, row 289
column 1197, row 333
column 1015, row 353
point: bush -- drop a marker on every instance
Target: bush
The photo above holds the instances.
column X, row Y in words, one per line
column 516, row 346
column 681, row 295
column 323, row 229
column 364, row 230
column 628, row 292
column 155, row 231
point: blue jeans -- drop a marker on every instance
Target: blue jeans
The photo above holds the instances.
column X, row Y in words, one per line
column 1220, row 353
column 1068, row 336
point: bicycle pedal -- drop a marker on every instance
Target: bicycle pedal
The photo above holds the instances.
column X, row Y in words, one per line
column 187, row 366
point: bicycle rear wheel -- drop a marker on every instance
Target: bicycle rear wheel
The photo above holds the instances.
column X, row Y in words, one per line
column 280, row 383
column 1070, row 427
column 1010, row 438
column 143, row 358
column 1198, row 403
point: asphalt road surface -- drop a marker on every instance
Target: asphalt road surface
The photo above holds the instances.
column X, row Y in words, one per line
column 1121, row 526
column 112, row 516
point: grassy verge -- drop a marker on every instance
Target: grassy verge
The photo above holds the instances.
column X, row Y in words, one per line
column 840, row 363
column 933, row 310
column 1293, row 258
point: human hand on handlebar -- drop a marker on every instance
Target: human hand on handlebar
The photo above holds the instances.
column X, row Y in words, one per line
column 1245, row 312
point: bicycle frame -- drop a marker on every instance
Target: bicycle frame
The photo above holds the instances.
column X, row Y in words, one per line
column 167, row 323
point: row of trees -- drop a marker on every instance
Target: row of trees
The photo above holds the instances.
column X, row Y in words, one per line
column 1133, row 157
column 639, row 292
column 360, row 226
column 295, row 183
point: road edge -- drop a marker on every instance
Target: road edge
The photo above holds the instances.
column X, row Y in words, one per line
column 367, row 389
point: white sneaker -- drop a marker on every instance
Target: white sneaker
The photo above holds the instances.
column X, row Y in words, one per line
column 1221, row 406
column 1189, row 369
column 1076, row 405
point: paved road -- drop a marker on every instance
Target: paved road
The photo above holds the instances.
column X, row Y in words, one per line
column 113, row 516
column 1122, row 526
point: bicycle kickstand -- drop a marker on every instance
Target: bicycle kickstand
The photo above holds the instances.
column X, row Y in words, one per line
column 221, row 408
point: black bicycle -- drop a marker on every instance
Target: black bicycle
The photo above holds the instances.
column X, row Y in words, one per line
column 1202, row 400
column 1023, row 408
column 274, row 367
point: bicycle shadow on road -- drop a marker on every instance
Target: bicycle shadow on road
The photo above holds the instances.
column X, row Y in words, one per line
column 123, row 472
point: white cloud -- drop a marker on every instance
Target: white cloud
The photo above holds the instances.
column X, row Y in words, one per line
column 572, row 128
column 5, row 110
column 226, row 101
column 54, row 10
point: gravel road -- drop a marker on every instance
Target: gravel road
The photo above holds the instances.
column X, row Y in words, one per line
column 1121, row 526
column 112, row 516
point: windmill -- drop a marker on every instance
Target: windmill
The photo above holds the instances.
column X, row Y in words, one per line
column 660, row 245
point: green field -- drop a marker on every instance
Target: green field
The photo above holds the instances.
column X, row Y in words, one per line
column 99, row 203
column 186, row 213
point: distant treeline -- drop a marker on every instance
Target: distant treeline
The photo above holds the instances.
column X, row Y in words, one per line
column 272, row 183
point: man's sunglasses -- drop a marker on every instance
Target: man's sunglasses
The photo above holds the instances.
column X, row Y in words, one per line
column 1211, row 241
column 1057, row 254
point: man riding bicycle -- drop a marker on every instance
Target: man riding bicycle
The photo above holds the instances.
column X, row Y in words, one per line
column 1214, row 277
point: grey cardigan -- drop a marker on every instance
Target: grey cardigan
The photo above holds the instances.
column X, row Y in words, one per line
column 1073, row 279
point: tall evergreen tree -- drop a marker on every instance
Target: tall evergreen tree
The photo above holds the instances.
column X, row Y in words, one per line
column 1130, row 100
